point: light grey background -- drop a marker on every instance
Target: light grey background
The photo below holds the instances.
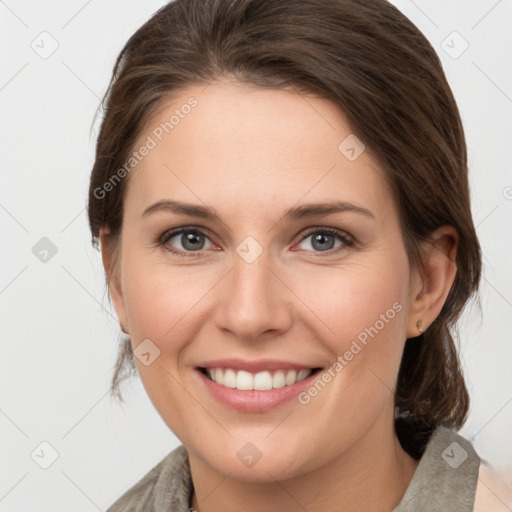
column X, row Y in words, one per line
column 58, row 334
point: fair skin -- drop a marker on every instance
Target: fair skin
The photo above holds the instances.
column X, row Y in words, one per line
column 251, row 154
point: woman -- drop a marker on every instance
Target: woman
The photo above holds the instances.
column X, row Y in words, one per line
column 281, row 196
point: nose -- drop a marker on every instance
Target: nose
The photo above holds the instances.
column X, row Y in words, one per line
column 253, row 301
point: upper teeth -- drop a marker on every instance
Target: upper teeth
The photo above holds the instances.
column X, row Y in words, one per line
column 261, row 381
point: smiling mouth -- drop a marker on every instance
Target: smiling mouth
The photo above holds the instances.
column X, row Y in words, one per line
column 260, row 381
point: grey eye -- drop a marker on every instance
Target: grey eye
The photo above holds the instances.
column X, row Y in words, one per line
column 321, row 241
column 190, row 240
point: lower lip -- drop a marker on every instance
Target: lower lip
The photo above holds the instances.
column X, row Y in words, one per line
column 252, row 400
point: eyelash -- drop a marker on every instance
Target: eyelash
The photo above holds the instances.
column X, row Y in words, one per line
column 162, row 240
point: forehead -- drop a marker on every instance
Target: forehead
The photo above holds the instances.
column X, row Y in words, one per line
column 234, row 143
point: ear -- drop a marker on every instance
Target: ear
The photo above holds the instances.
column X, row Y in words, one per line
column 434, row 280
column 110, row 252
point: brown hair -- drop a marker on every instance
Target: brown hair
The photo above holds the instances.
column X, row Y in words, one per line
column 372, row 62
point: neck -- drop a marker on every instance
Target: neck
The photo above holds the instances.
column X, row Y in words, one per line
column 372, row 475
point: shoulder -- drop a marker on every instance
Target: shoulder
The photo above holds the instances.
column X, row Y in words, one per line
column 493, row 491
column 452, row 462
column 166, row 484
column 445, row 477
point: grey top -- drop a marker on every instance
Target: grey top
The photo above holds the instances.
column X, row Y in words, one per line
column 445, row 479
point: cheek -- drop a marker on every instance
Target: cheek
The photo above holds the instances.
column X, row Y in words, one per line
column 163, row 302
column 357, row 302
column 362, row 313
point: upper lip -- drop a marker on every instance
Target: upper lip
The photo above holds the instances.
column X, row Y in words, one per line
column 255, row 365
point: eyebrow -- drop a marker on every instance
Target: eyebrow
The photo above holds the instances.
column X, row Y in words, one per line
column 292, row 214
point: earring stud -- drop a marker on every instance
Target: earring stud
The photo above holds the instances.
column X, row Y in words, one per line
column 419, row 326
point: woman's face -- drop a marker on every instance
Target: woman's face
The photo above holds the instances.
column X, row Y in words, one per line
column 289, row 257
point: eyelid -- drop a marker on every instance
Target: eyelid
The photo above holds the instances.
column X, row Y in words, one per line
column 343, row 235
column 347, row 239
column 170, row 233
